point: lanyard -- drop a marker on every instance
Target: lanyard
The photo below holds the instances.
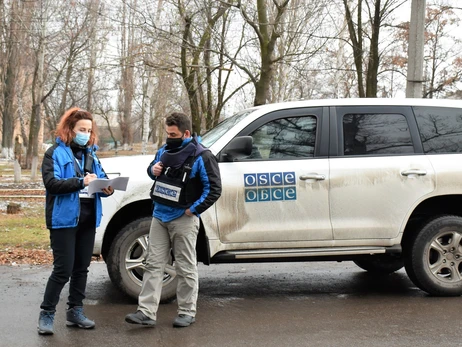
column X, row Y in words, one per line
column 81, row 165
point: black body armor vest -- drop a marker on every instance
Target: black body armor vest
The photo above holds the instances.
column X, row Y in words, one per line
column 174, row 187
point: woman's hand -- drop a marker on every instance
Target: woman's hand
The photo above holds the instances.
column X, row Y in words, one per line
column 108, row 191
column 88, row 178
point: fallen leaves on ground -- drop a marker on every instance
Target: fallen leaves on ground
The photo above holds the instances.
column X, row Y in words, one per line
column 19, row 255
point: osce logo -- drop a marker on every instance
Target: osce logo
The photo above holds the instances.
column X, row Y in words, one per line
column 270, row 186
column 165, row 191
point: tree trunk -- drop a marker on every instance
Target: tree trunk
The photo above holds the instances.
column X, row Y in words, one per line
column 22, row 117
column 130, row 86
column 10, row 106
column 189, row 78
column 148, row 91
column 69, row 72
column 208, row 99
column 357, row 43
column 94, row 11
column 373, row 63
column 126, row 92
column 267, row 35
column 37, row 92
column 17, row 171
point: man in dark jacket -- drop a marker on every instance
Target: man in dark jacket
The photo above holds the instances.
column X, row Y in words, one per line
column 187, row 182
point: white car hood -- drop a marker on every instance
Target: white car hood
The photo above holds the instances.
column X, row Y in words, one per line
column 132, row 166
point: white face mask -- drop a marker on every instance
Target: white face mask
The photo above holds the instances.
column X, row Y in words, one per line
column 81, row 138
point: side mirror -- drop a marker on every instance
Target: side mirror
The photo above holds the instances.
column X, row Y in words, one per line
column 238, row 147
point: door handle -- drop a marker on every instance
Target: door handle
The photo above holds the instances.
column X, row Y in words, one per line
column 312, row 176
column 414, row 172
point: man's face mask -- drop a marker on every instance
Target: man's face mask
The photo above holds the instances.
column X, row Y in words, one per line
column 173, row 143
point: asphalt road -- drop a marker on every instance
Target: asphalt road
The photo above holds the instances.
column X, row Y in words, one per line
column 291, row 304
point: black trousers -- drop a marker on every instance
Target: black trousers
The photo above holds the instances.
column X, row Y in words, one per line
column 72, row 252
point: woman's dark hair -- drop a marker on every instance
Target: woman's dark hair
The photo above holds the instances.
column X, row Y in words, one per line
column 65, row 129
column 182, row 121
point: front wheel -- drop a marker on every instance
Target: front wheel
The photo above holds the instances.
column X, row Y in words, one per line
column 126, row 261
column 434, row 258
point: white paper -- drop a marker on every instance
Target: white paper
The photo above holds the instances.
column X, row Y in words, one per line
column 118, row 183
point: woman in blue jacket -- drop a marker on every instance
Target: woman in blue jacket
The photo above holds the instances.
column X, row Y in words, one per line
column 72, row 216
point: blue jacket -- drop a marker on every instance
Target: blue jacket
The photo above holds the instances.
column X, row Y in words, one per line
column 62, row 208
column 204, row 171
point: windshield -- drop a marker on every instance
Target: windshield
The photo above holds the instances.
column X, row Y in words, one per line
column 212, row 136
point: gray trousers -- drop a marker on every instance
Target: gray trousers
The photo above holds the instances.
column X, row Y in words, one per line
column 181, row 236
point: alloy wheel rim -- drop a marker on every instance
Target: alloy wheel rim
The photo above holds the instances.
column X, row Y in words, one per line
column 444, row 257
column 135, row 262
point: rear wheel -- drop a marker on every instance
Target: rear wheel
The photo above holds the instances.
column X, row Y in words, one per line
column 434, row 258
column 126, row 261
column 380, row 264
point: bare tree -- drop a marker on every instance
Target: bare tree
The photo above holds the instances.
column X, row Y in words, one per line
column 94, row 10
column 443, row 64
column 104, row 111
column 127, row 68
column 267, row 31
column 37, row 91
column 9, row 109
column 298, row 57
column 137, row 61
column 148, row 109
column 191, row 53
column 367, row 59
column 224, row 93
column 3, row 56
column 442, row 61
column 79, row 32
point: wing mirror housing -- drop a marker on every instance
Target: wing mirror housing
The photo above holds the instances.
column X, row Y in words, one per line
column 237, row 148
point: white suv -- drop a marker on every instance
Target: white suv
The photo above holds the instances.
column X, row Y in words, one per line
column 374, row 181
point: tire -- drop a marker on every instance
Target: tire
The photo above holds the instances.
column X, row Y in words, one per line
column 434, row 258
column 381, row 264
column 126, row 257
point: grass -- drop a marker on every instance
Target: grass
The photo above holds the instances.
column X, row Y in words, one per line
column 26, row 229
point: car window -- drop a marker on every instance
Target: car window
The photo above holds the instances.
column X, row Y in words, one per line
column 211, row 136
column 285, row 138
column 440, row 129
column 370, row 134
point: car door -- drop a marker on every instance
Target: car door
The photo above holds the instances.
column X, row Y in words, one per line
column 280, row 192
column 378, row 171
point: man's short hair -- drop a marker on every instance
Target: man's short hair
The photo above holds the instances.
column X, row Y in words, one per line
column 182, row 121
